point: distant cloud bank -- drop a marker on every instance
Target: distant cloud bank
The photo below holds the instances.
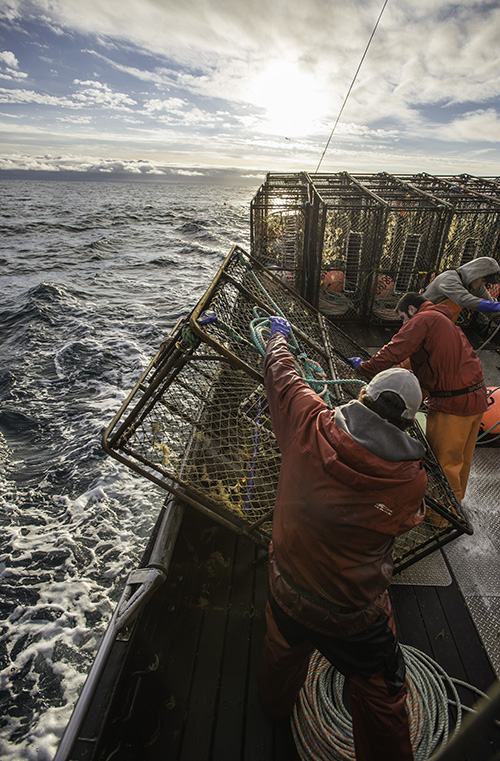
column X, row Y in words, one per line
column 58, row 168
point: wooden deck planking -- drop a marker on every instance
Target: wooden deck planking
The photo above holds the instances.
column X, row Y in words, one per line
column 175, row 638
column 207, row 624
column 208, row 660
column 210, row 635
column 436, row 621
column 232, row 698
column 259, row 731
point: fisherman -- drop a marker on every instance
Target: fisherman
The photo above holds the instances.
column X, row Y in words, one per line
column 465, row 287
column 351, row 481
column 450, row 372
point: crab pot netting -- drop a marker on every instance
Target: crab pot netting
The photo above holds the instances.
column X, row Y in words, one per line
column 287, row 220
column 198, row 422
column 407, row 245
column 472, row 220
column 486, row 186
column 362, row 241
column 278, row 218
column 353, row 222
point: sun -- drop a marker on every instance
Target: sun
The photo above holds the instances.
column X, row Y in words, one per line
column 290, row 96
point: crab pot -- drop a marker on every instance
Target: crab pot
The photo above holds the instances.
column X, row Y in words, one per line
column 197, row 423
column 352, row 245
column 287, row 219
column 473, row 218
column 486, row 186
column 407, row 246
column 351, row 240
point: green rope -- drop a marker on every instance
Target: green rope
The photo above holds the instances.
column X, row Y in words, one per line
column 232, row 333
column 188, row 340
column 309, row 370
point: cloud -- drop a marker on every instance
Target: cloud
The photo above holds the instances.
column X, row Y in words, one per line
column 89, row 94
column 222, row 49
column 190, row 173
column 9, row 66
column 30, row 96
column 87, row 164
column 161, row 78
column 71, row 166
column 93, row 93
column 256, row 83
column 480, row 125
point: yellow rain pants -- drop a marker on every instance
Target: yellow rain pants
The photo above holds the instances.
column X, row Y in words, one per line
column 453, row 439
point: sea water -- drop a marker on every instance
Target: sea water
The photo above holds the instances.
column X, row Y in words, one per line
column 94, row 275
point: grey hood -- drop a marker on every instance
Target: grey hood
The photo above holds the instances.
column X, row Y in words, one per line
column 455, row 284
column 377, row 435
column 481, row 267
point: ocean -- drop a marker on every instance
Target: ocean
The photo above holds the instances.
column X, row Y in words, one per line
column 94, row 275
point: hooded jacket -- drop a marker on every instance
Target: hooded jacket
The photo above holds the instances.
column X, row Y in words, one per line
column 455, row 285
column 440, row 356
column 350, row 482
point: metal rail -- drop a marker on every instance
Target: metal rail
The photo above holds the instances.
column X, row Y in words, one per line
column 140, row 585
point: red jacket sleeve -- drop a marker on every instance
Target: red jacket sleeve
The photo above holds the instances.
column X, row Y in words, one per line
column 407, row 341
column 292, row 402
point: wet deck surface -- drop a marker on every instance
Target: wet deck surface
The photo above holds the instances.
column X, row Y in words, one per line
column 190, row 693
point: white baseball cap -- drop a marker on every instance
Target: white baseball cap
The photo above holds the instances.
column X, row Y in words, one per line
column 401, row 382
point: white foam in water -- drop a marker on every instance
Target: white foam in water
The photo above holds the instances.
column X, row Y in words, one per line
column 52, row 638
column 85, row 307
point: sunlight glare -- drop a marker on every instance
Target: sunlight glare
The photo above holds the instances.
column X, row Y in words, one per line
column 291, row 98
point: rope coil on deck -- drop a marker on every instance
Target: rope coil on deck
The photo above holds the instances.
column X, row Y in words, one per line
column 322, row 725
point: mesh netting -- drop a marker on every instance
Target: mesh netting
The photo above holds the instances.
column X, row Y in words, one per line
column 197, row 423
column 352, row 245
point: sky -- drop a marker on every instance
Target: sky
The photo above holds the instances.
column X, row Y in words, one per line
column 199, row 89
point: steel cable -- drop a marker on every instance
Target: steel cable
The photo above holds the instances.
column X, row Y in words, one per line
column 351, row 86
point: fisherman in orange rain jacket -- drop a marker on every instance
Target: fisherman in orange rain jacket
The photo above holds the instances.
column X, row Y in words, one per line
column 350, row 482
column 452, row 374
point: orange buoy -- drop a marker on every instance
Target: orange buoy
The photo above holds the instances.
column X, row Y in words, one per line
column 384, row 286
column 490, row 423
column 333, row 281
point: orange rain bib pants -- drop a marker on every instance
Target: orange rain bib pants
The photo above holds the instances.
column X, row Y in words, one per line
column 453, row 440
column 454, row 308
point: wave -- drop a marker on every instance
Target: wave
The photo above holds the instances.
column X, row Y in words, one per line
column 63, row 564
column 95, row 277
column 197, row 229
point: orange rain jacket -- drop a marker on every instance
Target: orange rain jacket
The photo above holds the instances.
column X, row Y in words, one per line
column 440, row 356
column 339, row 504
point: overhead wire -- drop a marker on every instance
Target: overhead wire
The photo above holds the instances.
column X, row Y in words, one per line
column 351, row 86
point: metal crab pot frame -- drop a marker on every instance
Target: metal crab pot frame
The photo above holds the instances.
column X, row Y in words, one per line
column 352, row 245
column 197, row 422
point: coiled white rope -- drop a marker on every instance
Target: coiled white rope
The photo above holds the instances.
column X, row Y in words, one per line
column 322, row 726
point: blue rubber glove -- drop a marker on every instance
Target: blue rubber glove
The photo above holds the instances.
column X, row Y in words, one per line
column 356, row 361
column 488, row 306
column 279, row 325
column 207, row 318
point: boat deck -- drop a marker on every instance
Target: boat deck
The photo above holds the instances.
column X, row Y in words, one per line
column 190, row 691
column 188, row 686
